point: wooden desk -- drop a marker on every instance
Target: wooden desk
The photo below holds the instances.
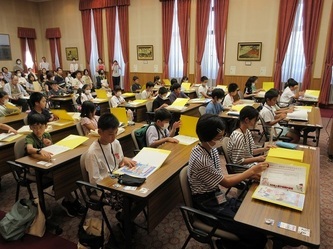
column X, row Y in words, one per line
column 65, row 171
column 192, row 94
column 65, row 102
column 308, row 101
column 191, row 110
column 15, row 121
column 253, row 212
column 314, row 121
column 128, row 96
column 163, row 189
column 139, row 110
column 103, row 104
column 7, row 148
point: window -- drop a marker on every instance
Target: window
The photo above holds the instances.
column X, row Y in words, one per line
column 29, row 62
column 118, row 53
column 176, row 57
column 94, row 48
column 209, row 64
column 294, row 63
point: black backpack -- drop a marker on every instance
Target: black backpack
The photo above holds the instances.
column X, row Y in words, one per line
column 140, row 135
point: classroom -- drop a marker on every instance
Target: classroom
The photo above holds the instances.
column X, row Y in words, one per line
column 79, row 51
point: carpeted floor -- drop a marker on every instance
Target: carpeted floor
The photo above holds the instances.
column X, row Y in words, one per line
column 326, row 113
column 172, row 232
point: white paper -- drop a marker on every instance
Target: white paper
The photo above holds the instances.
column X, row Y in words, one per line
column 56, row 149
column 186, row 140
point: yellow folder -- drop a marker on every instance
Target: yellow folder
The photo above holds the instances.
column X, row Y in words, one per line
column 188, row 125
column 37, row 86
column 120, row 113
column 267, row 85
column 296, row 155
column 180, row 102
column 167, row 82
column 239, row 107
column 223, row 87
column 101, row 93
column 72, row 141
column 312, row 93
column 186, row 86
column 62, row 114
column 128, row 95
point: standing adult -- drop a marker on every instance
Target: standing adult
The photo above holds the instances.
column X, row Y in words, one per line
column 100, row 65
column 44, row 64
column 74, row 66
column 115, row 74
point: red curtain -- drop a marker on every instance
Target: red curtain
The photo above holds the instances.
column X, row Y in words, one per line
column 28, row 35
column 111, row 30
column 286, row 20
column 124, row 38
column 184, row 10
column 54, row 35
column 167, row 17
column 203, row 10
column 311, row 21
column 86, row 25
column 99, row 30
column 100, row 4
column 220, row 26
column 327, row 74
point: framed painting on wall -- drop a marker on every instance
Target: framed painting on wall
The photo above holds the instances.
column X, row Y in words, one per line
column 145, row 52
column 5, row 52
column 72, row 53
column 249, row 51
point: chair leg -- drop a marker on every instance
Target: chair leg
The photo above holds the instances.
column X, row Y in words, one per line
column 17, row 192
column 211, row 243
column 186, row 242
column 31, row 196
column 106, row 221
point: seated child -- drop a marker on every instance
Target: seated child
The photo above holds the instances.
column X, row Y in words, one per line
column 148, row 92
column 34, row 144
column 205, row 178
column 4, row 110
column 55, row 89
column 241, row 146
column 215, row 106
column 176, row 93
column 158, row 133
column 136, row 87
column 161, row 100
column 88, row 118
column 38, row 104
column 229, row 98
column 117, row 99
column 85, row 93
column 271, row 118
column 203, row 89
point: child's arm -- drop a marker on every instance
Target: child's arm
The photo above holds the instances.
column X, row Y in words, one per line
column 39, row 154
column 174, row 128
column 7, row 128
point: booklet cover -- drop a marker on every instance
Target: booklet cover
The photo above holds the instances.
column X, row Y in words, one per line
column 283, row 184
column 148, row 161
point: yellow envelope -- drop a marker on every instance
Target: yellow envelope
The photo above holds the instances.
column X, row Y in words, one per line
column 62, row 114
column 37, row 86
column 167, row 82
column 267, row 85
column 128, row 94
column 72, row 141
column 101, row 93
column 296, row 155
column 188, row 125
column 312, row 93
column 180, row 102
column 120, row 113
column 186, row 86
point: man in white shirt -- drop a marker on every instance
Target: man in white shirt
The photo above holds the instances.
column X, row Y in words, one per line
column 44, row 64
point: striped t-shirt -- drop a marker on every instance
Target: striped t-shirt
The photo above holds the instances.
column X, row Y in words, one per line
column 204, row 172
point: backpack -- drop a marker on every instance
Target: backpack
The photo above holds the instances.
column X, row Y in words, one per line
column 19, row 218
column 140, row 135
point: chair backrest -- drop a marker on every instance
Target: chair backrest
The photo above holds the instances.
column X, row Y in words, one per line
column 266, row 129
column 241, row 94
column 19, row 148
column 84, row 172
column 202, row 110
column 149, row 106
column 79, row 129
column 224, row 147
column 136, row 145
column 185, row 186
column 25, row 120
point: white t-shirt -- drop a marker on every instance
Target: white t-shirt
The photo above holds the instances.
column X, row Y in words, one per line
column 115, row 101
column 228, row 100
column 152, row 135
column 202, row 89
column 145, row 94
column 268, row 113
column 286, row 97
column 96, row 164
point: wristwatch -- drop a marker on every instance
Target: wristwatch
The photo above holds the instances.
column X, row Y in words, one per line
column 38, row 151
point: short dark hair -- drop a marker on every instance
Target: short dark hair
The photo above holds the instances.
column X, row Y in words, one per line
column 3, row 94
column 271, row 93
column 59, row 68
column 208, row 127
column 185, row 78
column 291, row 82
column 218, row 92
column 49, row 75
column 149, row 84
column 162, row 114
column 156, row 78
column 135, row 78
column 232, row 87
column 36, row 97
column 107, row 121
column 87, row 108
column 203, row 78
column 248, row 112
column 85, row 86
column 3, row 69
column 173, row 81
column 176, row 86
column 36, row 118
column 117, row 88
column 162, row 90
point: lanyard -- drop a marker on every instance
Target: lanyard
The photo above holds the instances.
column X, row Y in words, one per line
column 106, row 160
column 270, row 109
column 210, row 156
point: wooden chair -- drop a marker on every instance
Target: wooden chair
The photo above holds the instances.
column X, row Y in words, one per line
column 79, row 129
column 202, row 110
column 198, row 229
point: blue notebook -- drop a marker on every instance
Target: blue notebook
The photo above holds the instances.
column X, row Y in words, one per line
column 286, row 145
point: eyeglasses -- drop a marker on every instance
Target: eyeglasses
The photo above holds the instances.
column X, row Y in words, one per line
column 37, row 127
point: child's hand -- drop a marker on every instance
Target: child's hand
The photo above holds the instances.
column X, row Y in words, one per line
column 11, row 130
column 172, row 140
column 164, row 105
column 260, row 158
column 260, row 167
column 176, row 125
column 128, row 162
column 45, row 154
column 47, row 142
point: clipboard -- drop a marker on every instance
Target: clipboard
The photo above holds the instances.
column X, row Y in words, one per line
column 101, row 93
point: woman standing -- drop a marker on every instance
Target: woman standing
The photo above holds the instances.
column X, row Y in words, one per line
column 115, row 74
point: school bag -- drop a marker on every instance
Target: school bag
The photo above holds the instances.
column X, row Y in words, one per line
column 19, row 218
column 140, row 135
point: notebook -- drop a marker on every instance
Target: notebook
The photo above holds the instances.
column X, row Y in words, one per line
column 267, row 85
column 64, row 117
column 120, row 113
column 101, row 93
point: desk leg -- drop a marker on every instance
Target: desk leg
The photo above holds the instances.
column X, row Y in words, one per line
column 317, row 136
column 39, row 178
column 127, row 222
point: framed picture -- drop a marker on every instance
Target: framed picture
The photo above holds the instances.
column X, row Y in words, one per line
column 249, row 51
column 145, row 52
column 5, row 52
column 72, row 53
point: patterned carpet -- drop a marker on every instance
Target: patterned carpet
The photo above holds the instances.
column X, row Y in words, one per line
column 172, row 232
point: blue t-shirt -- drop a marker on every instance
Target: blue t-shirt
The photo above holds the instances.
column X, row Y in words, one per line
column 214, row 108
